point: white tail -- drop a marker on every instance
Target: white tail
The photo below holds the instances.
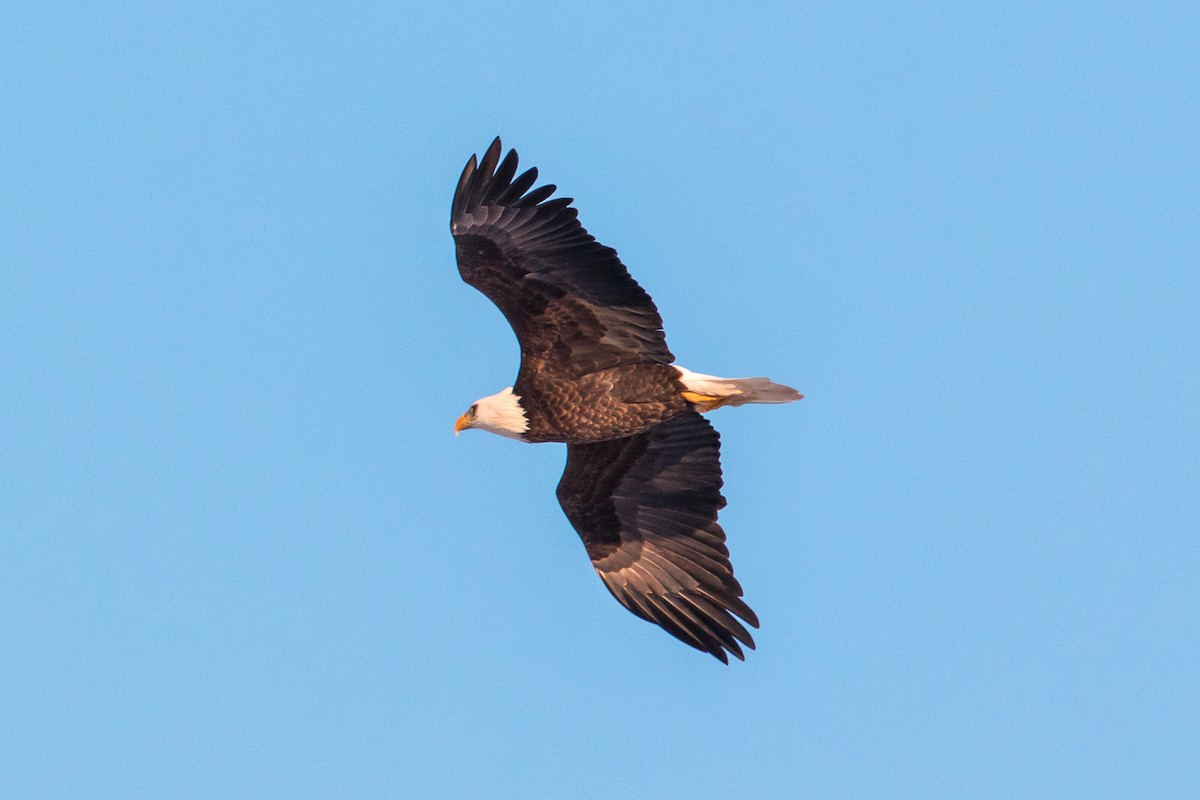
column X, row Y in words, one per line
column 709, row 392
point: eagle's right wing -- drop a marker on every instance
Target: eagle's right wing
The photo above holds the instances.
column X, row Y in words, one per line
column 646, row 509
column 571, row 302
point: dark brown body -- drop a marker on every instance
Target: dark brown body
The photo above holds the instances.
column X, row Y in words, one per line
column 609, row 404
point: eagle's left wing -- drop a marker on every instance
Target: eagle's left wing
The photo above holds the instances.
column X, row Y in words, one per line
column 570, row 300
column 646, row 508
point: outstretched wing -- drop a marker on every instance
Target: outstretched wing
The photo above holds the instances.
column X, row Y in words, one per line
column 573, row 305
column 646, row 509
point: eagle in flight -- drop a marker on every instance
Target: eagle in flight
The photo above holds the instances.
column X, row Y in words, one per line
column 642, row 485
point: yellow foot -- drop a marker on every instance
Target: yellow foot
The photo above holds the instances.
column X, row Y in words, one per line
column 705, row 402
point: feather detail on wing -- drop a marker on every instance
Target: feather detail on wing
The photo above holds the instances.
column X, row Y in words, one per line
column 646, row 508
column 573, row 305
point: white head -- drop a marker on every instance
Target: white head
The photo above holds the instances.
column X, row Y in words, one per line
column 499, row 413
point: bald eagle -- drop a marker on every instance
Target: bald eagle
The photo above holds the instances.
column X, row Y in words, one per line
column 642, row 484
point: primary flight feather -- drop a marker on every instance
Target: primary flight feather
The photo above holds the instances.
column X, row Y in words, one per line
column 642, row 485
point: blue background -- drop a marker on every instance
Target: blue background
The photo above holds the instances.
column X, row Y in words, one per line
column 242, row 555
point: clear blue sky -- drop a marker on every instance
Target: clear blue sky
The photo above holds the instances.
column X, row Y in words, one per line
column 243, row 556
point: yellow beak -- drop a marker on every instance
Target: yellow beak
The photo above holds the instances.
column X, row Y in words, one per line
column 463, row 423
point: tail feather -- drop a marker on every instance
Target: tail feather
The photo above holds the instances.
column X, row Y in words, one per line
column 735, row 391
